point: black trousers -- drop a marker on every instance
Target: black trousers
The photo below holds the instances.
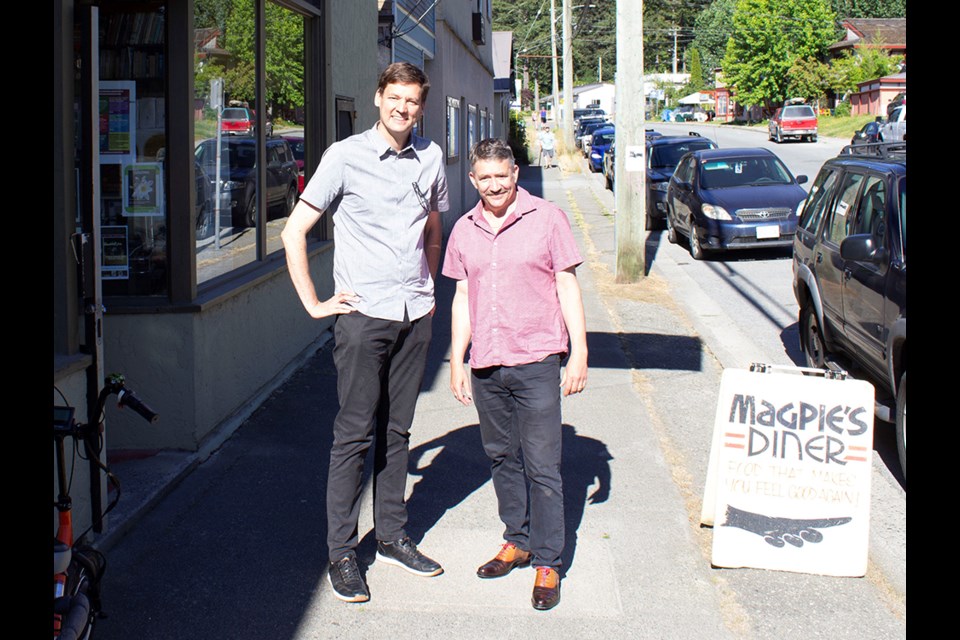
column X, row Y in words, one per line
column 520, row 424
column 380, row 367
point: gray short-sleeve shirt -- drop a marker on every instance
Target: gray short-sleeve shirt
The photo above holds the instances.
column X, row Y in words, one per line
column 379, row 199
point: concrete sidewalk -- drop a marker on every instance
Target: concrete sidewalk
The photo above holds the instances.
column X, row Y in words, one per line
column 231, row 541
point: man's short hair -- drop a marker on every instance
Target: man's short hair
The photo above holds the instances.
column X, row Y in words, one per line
column 491, row 149
column 404, row 73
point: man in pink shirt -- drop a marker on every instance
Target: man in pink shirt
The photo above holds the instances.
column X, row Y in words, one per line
column 518, row 301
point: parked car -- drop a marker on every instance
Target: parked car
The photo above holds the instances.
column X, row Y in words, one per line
column 899, row 99
column 793, row 121
column 599, row 143
column 731, row 199
column 663, row 155
column 610, row 158
column 867, row 133
column 296, row 146
column 850, row 273
column 895, row 128
column 239, row 175
column 585, row 132
column 241, row 121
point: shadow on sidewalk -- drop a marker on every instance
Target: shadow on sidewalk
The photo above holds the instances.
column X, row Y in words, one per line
column 454, row 465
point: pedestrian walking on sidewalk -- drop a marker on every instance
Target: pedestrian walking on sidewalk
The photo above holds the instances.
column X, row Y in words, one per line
column 548, row 143
column 386, row 188
column 518, row 307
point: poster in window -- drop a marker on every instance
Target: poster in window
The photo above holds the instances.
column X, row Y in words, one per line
column 114, row 264
column 118, row 121
column 143, row 189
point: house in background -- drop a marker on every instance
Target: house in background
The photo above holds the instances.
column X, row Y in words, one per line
column 888, row 34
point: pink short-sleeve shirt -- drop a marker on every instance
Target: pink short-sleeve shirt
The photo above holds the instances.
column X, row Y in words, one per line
column 514, row 310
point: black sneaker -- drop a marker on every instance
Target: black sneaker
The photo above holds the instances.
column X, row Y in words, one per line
column 347, row 583
column 404, row 553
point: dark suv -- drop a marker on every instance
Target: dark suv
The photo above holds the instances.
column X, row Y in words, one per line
column 850, row 272
column 663, row 154
column 238, row 158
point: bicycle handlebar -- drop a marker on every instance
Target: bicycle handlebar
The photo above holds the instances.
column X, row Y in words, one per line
column 126, row 398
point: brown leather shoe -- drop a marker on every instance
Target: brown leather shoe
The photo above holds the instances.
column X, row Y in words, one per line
column 510, row 557
column 546, row 589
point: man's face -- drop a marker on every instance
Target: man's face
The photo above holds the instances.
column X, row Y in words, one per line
column 400, row 107
column 496, row 180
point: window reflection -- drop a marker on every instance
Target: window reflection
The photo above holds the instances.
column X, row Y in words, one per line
column 227, row 206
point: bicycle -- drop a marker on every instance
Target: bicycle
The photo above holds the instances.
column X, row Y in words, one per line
column 77, row 567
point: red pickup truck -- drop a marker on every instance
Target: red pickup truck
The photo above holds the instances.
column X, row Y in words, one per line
column 793, row 121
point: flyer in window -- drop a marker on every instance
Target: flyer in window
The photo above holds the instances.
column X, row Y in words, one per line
column 114, row 264
column 143, row 189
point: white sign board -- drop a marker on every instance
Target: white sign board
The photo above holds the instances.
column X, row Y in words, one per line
column 788, row 486
column 633, row 160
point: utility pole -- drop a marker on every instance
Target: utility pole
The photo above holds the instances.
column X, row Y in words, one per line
column 567, row 76
column 674, row 51
column 630, row 184
column 553, row 51
column 600, row 69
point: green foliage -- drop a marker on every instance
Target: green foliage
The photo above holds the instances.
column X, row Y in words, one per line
column 868, row 63
column 767, row 37
column 808, row 79
column 842, row 110
column 696, row 72
column 662, row 19
column 517, row 138
column 870, row 8
column 713, row 28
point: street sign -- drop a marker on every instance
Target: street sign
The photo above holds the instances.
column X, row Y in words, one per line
column 788, row 483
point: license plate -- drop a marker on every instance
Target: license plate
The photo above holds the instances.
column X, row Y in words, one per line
column 768, row 231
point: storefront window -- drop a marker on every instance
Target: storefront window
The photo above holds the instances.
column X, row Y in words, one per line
column 133, row 187
column 453, row 122
column 225, row 84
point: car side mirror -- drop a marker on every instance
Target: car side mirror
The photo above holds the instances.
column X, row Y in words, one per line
column 861, row 248
column 801, row 179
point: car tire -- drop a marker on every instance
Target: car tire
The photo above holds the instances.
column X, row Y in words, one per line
column 250, row 214
column 671, row 230
column 779, row 137
column 606, row 178
column 902, row 423
column 291, row 200
column 696, row 249
column 813, row 138
column 811, row 339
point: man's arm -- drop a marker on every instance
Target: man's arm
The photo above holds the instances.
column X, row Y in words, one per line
column 459, row 340
column 294, row 237
column 571, row 306
column 433, row 241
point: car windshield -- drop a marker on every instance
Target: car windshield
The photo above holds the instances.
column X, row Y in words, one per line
column 802, row 111
column 743, row 172
column 602, row 138
column 666, row 156
column 234, row 114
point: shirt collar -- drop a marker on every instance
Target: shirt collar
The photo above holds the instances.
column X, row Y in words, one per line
column 382, row 147
column 525, row 204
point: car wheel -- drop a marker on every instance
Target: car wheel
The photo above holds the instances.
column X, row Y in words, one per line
column 813, row 138
column 779, row 136
column 902, row 423
column 811, row 339
column 250, row 216
column 291, row 200
column 696, row 250
column 671, row 230
column 204, row 223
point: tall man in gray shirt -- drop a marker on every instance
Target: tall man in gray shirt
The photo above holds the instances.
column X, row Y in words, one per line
column 385, row 188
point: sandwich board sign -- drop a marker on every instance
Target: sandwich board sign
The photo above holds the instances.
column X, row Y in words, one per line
column 788, row 482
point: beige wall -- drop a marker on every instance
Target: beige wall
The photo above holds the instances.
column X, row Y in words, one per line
column 461, row 70
column 352, row 61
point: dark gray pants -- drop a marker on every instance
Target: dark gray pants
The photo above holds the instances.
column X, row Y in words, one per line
column 520, row 424
column 380, row 367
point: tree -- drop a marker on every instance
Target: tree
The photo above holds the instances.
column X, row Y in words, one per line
column 696, row 82
column 868, row 63
column 768, row 37
column 713, row 28
column 870, row 8
column 808, row 79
